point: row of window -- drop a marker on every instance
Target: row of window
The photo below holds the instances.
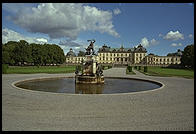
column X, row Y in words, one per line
column 162, row 63
column 140, row 54
column 167, row 59
column 112, row 59
column 114, row 54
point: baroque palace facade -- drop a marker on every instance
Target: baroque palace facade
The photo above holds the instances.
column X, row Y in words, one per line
column 126, row 56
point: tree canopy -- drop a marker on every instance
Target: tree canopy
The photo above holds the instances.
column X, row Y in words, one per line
column 21, row 52
column 187, row 59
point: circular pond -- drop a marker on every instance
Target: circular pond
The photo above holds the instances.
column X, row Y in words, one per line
column 67, row 85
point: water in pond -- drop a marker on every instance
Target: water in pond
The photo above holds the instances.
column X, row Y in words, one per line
column 67, row 85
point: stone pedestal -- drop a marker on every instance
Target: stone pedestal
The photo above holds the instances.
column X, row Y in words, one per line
column 89, row 79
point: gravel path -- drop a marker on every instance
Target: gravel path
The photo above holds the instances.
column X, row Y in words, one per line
column 168, row 108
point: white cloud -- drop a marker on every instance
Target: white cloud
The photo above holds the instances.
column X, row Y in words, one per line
column 176, row 45
column 160, row 35
column 190, row 36
column 146, row 43
column 116, row 11
column 42, row 40
column 10, row 35
column 154, row 42
column 174, row 36
column 65, row 20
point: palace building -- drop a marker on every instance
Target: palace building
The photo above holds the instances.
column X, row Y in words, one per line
column 126, row 56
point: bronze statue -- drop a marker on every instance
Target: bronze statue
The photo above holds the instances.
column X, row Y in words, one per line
column 90, row 49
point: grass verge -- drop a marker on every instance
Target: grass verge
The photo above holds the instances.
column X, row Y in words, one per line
column 40, row 69
column 165, row 72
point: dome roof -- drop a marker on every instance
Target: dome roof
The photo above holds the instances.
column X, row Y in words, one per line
column 71, row 53
column 140, row 48
column 179, row 52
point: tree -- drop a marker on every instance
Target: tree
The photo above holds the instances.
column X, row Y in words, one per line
column 81, row 53
column 5, row 57
column 187, row 59
column 14, row 53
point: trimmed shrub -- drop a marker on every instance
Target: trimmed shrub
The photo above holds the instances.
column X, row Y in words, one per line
column 79, row 68
column 139, row 68
column 129, row 68
column 4, row 68
column 109, row 67
column 135, row 67
column 145, row 69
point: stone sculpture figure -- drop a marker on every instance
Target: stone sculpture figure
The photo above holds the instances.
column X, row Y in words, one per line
column 90, row 49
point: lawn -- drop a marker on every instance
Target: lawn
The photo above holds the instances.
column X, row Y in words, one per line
column 41, row 69
column 158, row 71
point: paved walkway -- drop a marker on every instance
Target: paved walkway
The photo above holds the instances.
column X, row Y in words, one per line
column 168, row 108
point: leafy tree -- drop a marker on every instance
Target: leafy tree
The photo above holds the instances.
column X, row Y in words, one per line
column 5, row 57
column 14, row 53
column 187, row 59
column 81, row 53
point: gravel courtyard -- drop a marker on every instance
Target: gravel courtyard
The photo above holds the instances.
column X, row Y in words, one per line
column 168, row 108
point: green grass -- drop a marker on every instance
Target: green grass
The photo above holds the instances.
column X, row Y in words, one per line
column 41, row 69
column 158, row 71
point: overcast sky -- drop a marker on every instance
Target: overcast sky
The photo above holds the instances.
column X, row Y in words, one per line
column 160, row 27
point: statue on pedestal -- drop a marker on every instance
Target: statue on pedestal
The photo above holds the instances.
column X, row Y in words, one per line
column 91, row 71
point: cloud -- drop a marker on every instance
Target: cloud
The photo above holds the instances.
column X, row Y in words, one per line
column 146, row 43
column 67, row 20
column 10, row 35
column 154, row 42
column 69, row 44
column 176, row 45
column 160, row 35
column 173, row 36
column 190, row 36
column 42, row 40
column 116, row 11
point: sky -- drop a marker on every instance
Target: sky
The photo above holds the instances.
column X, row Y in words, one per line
column 161, row 28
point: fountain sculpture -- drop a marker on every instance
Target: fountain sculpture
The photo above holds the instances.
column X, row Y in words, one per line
column 91, row 72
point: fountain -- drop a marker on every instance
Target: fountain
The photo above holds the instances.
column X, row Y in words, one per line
column 91, row 72
column 88, row 80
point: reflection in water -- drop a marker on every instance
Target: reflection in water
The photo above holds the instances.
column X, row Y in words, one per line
column 67, row 85
column 89, row 88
